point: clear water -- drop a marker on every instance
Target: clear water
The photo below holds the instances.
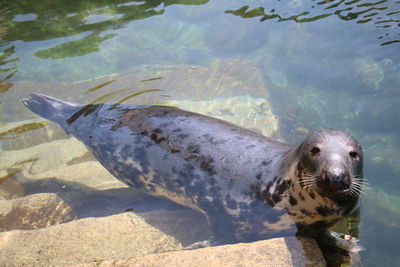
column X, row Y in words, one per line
column 326, row 63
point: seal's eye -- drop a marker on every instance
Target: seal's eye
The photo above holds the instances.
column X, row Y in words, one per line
column 315, row 151
column 353, row 155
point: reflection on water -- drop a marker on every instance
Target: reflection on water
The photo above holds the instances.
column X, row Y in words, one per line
column 81, row 47
column 72, row 19
column 84, row 17
column 289, row 68
column 7, row 61
column 107, row 30
column 85, row 25
column 385, row 14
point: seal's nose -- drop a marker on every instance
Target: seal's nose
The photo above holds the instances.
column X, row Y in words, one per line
column 336, row 180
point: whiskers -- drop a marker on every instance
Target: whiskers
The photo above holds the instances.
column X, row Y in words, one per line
column 307, row 180
column 358, row 186
column 323, row 135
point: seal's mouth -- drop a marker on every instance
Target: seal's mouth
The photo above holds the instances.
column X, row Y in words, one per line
column 334, row 185
column 328, row 192
column 330, row 185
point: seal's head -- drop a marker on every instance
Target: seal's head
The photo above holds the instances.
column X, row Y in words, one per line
column 330, row 162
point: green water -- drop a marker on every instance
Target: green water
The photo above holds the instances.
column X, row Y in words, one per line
column 319, row 63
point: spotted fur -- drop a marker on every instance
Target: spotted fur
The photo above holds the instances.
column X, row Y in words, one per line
column 250, row 187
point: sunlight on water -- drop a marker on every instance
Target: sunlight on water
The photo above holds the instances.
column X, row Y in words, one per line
column 283, row 68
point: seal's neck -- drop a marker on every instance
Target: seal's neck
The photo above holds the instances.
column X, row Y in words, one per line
column 275, row 192
column 285, row 183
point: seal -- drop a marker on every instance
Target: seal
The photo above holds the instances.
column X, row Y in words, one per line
column 249, row 187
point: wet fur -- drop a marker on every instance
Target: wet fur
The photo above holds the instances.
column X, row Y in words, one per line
column 249, row 187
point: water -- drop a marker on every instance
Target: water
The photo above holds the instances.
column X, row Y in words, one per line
column 290, row 67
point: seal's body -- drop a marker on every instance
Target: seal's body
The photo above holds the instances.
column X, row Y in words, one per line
column 249, row 187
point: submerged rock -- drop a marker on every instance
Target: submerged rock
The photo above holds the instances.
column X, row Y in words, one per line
column 89, row 174
column 41, row 158
column 220, row 78
column 247, row 111
column 23, row 134
column 370, row 72
column 33, row 212
column 9, row 187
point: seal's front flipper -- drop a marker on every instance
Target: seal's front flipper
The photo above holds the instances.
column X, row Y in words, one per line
column 339, row 249
column 203, row 244
column 339, row 240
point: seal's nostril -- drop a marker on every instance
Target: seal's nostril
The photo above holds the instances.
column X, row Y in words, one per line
column 25, row 102
column 345, row 185
column 335, row 177
column 335, row 181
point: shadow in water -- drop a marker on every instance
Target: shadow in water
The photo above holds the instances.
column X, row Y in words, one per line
column 184, row 224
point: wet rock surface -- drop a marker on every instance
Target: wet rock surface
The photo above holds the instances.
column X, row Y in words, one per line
column 127, row 240
column 85, row 240
column 113, row 239
column 288, row 251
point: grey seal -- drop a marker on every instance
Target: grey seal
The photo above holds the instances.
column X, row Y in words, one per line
column 249, row 187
